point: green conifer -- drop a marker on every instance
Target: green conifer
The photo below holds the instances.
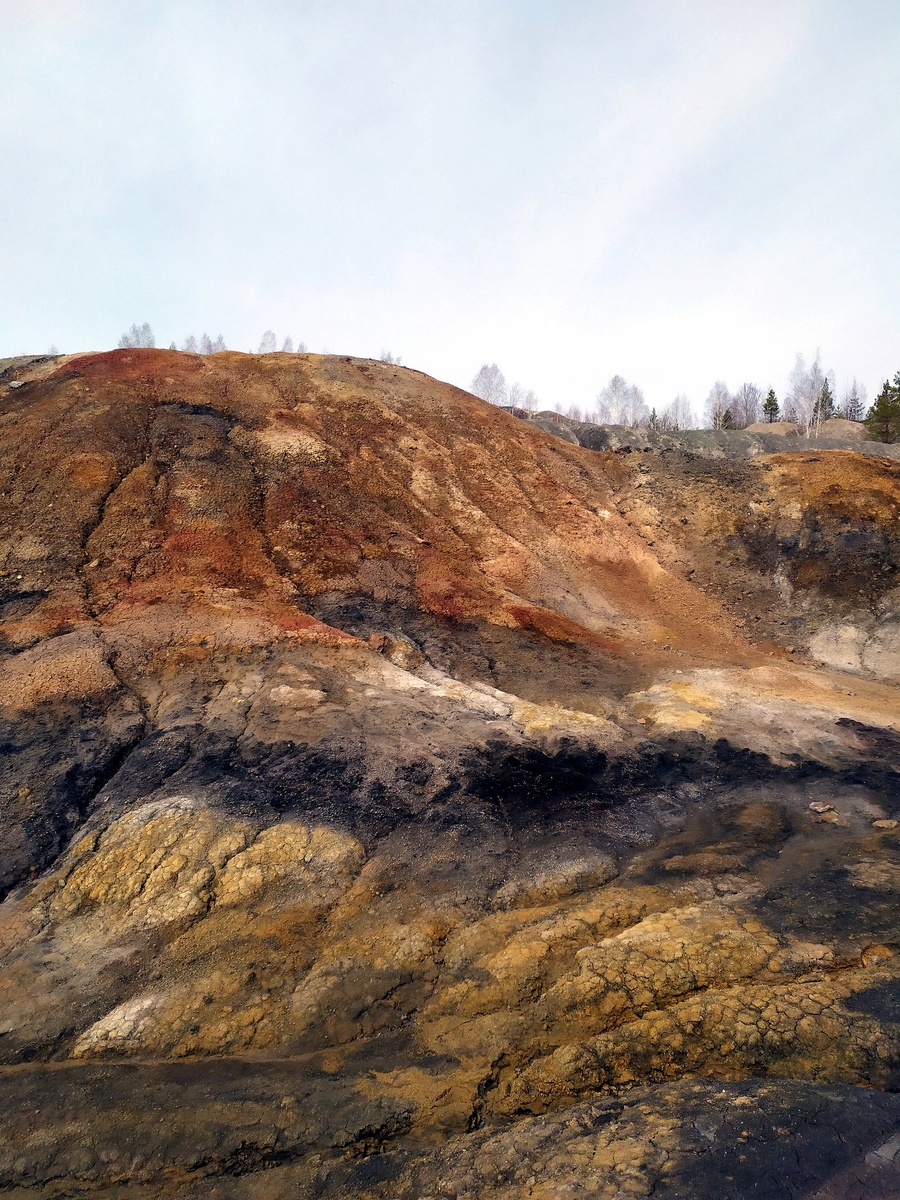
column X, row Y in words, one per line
column 883, row 418
column 824, row 408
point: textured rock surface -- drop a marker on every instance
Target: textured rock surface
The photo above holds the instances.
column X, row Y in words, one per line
column 400, row 801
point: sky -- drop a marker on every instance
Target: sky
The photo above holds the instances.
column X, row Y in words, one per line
column 677, row 191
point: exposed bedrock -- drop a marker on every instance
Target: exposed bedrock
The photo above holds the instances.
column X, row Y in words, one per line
column 399, row 801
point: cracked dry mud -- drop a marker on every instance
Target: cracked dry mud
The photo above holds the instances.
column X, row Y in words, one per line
column 401, row 801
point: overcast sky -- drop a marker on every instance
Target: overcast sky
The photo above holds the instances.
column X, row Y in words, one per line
column 675, row 190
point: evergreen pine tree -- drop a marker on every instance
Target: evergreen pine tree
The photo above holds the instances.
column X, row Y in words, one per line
column 653, row 420
column 770, row 406
column 883, row 418
column 824, row 409
column 853, row 407
column 727, row 420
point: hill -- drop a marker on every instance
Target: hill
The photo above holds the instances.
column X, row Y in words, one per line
column 405, row 801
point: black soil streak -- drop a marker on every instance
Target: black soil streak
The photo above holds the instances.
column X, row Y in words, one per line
column 66, row 761
column 523, row 662
column 54, row 763
column 839, row 557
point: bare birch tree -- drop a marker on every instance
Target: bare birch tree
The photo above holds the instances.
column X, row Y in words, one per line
column 745, row 405
column 621, row 403
column 803, row 399
column 612, row 402
column 138, row 336
column 489, row 384
column 718, row 407
column 677, row 415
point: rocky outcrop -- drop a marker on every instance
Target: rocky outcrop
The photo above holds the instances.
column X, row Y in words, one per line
column 760, row 438
column 400, row 801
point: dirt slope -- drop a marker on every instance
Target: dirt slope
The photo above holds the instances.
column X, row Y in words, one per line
column 408, row 802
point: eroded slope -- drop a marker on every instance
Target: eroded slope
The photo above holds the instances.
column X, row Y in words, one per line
column 420, row 785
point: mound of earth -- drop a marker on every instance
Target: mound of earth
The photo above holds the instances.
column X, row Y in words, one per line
column 402, row 801
column 780, row 428
column 835, row 429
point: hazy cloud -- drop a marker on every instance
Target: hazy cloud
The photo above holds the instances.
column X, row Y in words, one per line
column 678, row 193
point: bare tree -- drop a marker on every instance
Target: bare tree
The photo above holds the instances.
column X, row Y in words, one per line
column 718, row 407
column 518, row 397
column 287, row 346
column 803, row 400
column 489, row 384
column 677, row 415
column 301, row 348
column 636, row 407
column 621, row 403
column 172, row 346
column 205, row 345
column 854, row 401
column 612, row 402
column 268, row 343
column 391, row 359
column 138, row 336
column 745, row 405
